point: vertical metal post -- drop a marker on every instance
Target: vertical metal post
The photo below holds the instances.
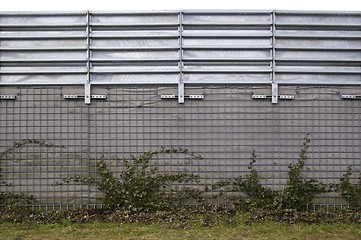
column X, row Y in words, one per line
column 274, row 82
column 87, row 87
column 180, row 63
column 0, row 57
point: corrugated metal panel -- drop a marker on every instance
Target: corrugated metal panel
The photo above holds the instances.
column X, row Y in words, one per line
column 216, row 47
column 318, row 48
column 42, row 48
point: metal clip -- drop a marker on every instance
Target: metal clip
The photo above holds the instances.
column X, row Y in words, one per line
column 82, row 97
column 351, row 97
column 7, row 97
column 167, row 96
column 283, row 97
column 193, row 96
column 196, row 96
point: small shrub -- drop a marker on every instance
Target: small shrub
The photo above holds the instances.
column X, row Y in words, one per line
column 257, row 196
column 299, row 191
column 13, row 199
column 140, row 187
column 350, row 191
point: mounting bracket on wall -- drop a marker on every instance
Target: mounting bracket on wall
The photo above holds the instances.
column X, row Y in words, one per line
column 275, row 93
column 7, row 97
column 74, row 96
column 87, row 93
column 283, row 97
column 199, row 97
column 351, row 97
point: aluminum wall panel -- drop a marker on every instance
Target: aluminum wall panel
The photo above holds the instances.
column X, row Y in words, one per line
column 127, row 47
column 317, row 48
column 293, row 47
column 41, row 48
column 227, row 47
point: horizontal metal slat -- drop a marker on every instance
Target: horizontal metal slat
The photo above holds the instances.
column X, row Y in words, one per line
column 228, row 24
column 40, row 37
column 164, row 48
column 318, row 82
column 230, row 34
column 35, row 71
column 237, row 80
column 157, row 69
column 42, row 60
column 42, row 25
column 220, row 71
column 314, row 12
column 318, row 25
column 42, row 13
column 227, row 12
column 317, row 60
column 41, row 83
column 140, row 24
column 322, row 70
column 122, row 60
column 318, row 48
column 198, row 59
column 133, row 36
column 313, row 36
column 43, row 49
column 225, row 69
column 140, row 81
column 134, row 13
column 226, row 47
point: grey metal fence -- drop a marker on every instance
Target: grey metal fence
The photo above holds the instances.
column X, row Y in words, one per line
column 199, row 80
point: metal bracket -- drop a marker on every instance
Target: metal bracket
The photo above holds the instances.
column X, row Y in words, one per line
column 351, row 97
column 274, row 93
column 7, row 97
column 87, row 92
column 194, row 96
column 73, row 96
column 283, row 97
column 181, row 91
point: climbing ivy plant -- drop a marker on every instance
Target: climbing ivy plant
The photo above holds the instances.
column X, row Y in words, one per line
column 299, row 192
column 9, row 198
column 256, row 195
column 141, row 187
column 349, row 190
